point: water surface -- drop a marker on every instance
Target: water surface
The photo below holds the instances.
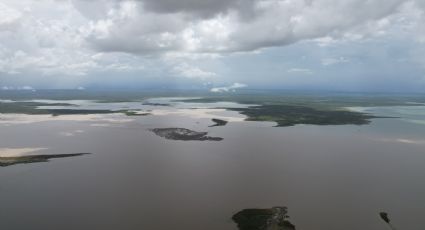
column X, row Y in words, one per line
column 330, row 177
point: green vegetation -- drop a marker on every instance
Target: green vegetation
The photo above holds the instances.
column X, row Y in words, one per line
column 289, row 115
column 317, row 109
column 9, row 161
column 285, row 108
column 24, row 107
column 218, row 122
column 275, row 218
column 156, row 104
column 183, row 134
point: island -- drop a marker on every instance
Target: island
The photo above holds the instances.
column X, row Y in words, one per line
column 218, row 122
column 183, row 134
column 384, row 216
column 290, row 110
column 35, row 108
column 290, row 115
column 9, row 161
column 275, row 218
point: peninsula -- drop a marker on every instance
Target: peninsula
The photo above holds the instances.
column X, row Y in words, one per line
column 9, row 161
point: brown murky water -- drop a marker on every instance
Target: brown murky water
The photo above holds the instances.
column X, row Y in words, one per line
column 333, row 177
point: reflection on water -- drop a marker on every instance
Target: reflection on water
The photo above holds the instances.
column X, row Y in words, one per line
column 330, row 177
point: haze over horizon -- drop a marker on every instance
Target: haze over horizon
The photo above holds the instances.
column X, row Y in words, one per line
column 216, row 45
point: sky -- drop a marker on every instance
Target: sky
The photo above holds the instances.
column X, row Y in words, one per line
column 216, row 45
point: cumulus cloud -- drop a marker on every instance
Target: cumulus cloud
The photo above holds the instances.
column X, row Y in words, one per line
column 232, row 87
column 34, row 40
column 9, row 17
column 156, row 26
column 204, row 8
column 26, row 87
column 124, row 38
column 300, row 71
column 185, row 70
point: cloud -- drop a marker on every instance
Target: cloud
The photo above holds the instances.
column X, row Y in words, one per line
column 188, row 71
column 333, row 61
column 300, row 71
column 17, row 88
column 9, row 17
column 149, row 27
column 232, row 87
column 34, row 40
column 204, row 8
column 131, row 42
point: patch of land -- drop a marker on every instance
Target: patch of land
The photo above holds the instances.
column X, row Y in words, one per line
column 289, row 115
column 284, row 108
column 13, row 160
column 218, row 122
column 114, row 118
column 156, row 104
column 275, row 218
column 293, row 109
column 134, row 113
column 204, row 113
column 319, row 100
column 183, row 134
column 33, row 108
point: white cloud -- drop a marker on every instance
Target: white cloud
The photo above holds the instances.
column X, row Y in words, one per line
column 300, row 71
column 150, row 27
column 188, row 71
column 333, row 61
column 118, row 40
column 9, row 17
column 35, row 40
column 17, row 88
column 232, row 87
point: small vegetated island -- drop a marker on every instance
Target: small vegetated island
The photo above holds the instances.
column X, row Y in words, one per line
column 9, row 161
column 183, row 134
column 275, row 218
column 218, row 122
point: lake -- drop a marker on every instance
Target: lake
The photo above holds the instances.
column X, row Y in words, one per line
column 329, row 177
